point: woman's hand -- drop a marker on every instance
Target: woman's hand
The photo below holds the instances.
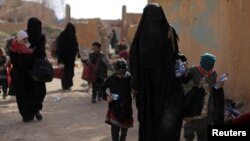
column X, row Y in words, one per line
column 134, row 92
column 221, row 84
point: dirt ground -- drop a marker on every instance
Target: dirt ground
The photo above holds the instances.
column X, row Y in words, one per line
column 68, row 116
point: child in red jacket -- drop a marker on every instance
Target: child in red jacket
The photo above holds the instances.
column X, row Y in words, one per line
column 21, row 44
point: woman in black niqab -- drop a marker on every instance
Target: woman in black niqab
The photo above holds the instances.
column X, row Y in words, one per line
column 29, row 93
column 159, row 94
column 113, row 40
column 67, row 48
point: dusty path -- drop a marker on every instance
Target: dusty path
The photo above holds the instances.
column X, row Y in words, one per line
column 72, row 118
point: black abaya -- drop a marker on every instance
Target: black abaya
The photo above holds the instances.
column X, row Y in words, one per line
column 29, row 93
column 67, row 48
column 160, row 95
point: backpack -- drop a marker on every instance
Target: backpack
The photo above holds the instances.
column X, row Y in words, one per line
column 42, row 70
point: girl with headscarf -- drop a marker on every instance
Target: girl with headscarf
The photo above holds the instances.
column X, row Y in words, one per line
column 159, row 93
column 67, row 48
column 29, row 93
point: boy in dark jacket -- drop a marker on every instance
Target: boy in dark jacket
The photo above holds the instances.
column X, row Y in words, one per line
column 204, row 104
column 102, row 63
column 119, row 114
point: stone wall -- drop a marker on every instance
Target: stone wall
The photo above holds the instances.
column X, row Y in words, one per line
column 87, row 32
column 12, row 27
column 18, row 11
column 133, row 20
column 129, row 24
column 90, row 30
column 220, row 27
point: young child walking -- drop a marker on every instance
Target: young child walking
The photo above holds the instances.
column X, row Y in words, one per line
column 101, row 64
column 119, row 114
column 204, row 104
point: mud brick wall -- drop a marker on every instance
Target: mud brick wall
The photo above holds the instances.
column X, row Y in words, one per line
column 220, row 27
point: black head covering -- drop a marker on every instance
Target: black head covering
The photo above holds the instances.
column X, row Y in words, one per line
column 67, row 45
column 120, row 64
column 68, row 37
column 34, row 30
column 70, row 29
column 152, row 46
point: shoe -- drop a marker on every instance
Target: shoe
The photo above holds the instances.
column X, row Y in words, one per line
column 39, row 116
column 93, row 101
column 67, row 89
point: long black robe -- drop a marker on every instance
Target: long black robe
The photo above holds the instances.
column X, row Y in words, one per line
column 67, row 48
column 113, row 40
column 152, row 58
column 29, row 93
